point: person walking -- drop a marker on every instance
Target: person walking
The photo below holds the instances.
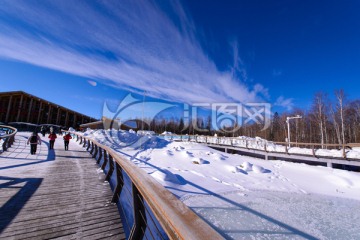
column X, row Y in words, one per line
column 52, row 137
column 42, row 130
column 67, row 138
column 33, row 140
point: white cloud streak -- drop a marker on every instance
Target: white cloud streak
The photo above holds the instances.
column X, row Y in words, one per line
column 92, row 83
column 130, row 44
column 286, row 103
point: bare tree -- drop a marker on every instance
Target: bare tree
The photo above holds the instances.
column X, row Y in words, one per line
column 319, row 113
column 340, row 96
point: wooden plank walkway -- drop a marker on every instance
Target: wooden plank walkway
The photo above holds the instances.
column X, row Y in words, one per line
column 54, row 194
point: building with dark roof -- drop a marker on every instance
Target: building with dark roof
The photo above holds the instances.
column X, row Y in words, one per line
column 23, row 107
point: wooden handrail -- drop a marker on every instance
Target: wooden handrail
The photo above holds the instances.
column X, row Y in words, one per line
column 9, row 138
column 177, row 220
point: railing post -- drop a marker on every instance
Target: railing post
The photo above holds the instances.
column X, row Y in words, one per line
column 5, row 145
column 95, row 152
column 286, row 149
column 111, row 168
column 119, row 183
column 92, row 147
column 246, row 143
column 105, row 160
column 12, row 140
column 139, row 227
column 100, row 155
column 265, row 147
column 88, row 145
column 343, row 151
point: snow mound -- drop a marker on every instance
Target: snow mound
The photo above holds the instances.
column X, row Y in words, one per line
column 165, row 175
column 187, row 153
column 246, row 166
column 218, row 156
column 200, row 161
column 258, row 169
column 166, row 133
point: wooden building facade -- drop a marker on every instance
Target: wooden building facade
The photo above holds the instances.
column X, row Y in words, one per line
column 23, row 107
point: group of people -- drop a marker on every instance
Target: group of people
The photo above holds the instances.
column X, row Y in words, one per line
column 35, row 139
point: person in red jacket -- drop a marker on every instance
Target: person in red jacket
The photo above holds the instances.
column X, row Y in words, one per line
column 52, row 137
column 67, row 138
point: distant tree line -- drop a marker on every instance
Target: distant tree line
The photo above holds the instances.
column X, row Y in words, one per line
column 326, row 122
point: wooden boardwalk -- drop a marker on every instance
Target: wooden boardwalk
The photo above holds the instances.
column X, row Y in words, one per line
column 54, row 194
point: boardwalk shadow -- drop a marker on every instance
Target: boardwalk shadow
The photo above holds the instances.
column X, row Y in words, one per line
column 50, row 157
column 10, row 209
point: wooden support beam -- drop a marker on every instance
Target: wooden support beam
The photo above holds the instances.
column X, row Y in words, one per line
column 8, row 110
column 49, row 114
column 30, row 110
column 20, row 108
column 39, row 113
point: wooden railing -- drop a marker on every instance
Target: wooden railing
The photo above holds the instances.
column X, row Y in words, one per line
column 8, row 138
column 262, row 145
column 150, row 200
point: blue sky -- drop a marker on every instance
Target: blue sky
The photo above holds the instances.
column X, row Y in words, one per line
column 81, row 53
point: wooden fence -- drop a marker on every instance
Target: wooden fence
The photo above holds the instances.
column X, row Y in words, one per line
column 263, row 145
column 8, row 138
column 149, row 198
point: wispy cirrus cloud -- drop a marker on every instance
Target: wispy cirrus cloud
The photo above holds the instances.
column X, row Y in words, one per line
column 131, row 44
column 283, row 102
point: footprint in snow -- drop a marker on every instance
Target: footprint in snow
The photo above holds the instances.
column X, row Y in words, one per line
column 238, row 186
column 216, row 179
column 197, row 173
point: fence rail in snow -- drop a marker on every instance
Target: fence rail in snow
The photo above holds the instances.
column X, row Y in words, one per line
column 314, row 151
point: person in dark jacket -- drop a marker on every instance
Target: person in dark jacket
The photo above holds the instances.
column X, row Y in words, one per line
column 52, row 137
column 33, row 140
column 67, row 138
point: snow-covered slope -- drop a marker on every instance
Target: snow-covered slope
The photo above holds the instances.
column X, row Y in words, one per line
column 245, row 197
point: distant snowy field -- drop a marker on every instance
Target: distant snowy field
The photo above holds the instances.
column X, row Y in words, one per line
column 244, row 197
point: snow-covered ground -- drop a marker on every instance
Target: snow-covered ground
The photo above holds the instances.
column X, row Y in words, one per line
column 244, row 197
